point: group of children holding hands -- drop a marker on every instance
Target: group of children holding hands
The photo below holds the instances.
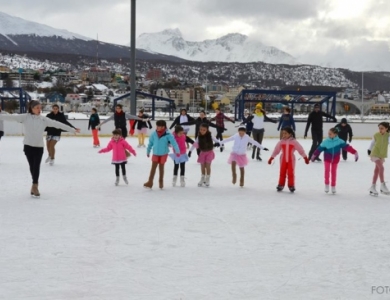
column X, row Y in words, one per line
column 162, row 139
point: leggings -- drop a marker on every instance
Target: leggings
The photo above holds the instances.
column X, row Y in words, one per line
column 379, row 171
column 123, row 167
column 34, row 158
column 219, row 136
column 182, row 169
column 330, row 171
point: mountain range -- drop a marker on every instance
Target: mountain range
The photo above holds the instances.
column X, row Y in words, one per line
column 25, row 37
column 234, row 47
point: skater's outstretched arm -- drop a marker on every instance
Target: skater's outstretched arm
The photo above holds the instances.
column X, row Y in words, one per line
column 107, row 149
column 51, row 123
column 15, row 118
column 106, row 120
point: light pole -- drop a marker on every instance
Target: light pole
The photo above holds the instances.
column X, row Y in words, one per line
column 133, row 99
column 362, row 96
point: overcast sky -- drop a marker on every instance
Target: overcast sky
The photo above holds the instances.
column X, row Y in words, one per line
column 337, row 33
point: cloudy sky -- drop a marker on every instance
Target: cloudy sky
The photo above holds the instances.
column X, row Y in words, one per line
column 335, row 33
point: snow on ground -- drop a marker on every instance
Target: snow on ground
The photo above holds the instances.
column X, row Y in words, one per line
column 87, row 239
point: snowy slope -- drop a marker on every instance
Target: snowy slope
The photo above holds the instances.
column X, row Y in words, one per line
column 10, row 25
column 233, row 47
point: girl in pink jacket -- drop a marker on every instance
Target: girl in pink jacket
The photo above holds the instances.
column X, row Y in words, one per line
column 118, row 145
column 181, row 158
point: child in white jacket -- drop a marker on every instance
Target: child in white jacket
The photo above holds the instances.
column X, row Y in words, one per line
column 238, row 155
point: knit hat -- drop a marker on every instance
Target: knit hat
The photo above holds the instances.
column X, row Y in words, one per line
column 344, row 121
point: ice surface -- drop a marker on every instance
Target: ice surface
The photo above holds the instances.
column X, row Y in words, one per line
column 87, row 239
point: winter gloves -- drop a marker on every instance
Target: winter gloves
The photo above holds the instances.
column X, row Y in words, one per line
column 265, row 149
column 369, row 152
column 270, row 160
column 306, row 160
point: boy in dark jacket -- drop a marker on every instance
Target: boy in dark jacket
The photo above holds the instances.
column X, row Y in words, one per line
column 93, row 123
column 344, row 133
column 286, row 120
column 316, row 122
column 53, row 134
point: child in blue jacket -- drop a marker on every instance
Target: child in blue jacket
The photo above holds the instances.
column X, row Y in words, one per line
column 332, row 147
column 159, row 141
column 286, row 120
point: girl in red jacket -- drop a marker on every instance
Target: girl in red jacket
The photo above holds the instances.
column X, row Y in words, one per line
column 288, row 145
column 118, row 145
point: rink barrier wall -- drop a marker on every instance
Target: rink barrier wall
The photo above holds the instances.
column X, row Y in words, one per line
column 360, row 130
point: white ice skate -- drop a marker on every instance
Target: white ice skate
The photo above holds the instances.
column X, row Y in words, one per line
column 117, row 180
column 207, row 180
column 202, row 181
column 384, row 189
column 333, row 190
column 182, row 181
column 125, row 179
column 174, row 180
column 326, row 188
column 51, row 162
column 373, row 191
column 47, row 160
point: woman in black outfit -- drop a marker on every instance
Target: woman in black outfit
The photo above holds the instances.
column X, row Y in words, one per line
column 53, row 134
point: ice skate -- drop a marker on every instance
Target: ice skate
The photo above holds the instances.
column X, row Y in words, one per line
column 34, row 191
column 279, row 188
column 149, row 183
column 384, row 189
column 47, row 160
column 258, row 157
column 182, row 181
column 125, row 179
column 51, row 162
column 174, row 180
column 201, row 182
column 326, row 188
column 207, row 180
column 139, row 146
column 333, row 190
column 221, row 148
column 373, row 191
column 117, row 180
column 292, row 189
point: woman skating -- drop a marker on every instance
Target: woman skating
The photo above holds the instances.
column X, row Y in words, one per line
column 34, row 127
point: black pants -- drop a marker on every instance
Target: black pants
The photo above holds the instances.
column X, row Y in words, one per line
column 258, row 135
column 34, row 158
column 317, row 137
column 182, row 169
column 1, row 134
column 344, row 152
column 219, row 136
column 124, row 131
column 122, row 166
column 189, row 140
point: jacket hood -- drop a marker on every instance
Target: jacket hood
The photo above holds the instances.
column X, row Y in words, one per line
column 344, row 121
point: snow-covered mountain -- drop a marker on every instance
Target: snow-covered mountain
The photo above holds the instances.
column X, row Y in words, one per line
column 25, row 37
column 234, row 47
column 10, row 25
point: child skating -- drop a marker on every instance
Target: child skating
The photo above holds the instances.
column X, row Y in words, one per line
column 118, row 145
column 205, row 143
column 159, row 141
column 378, row 153
column 332, row 147
column 238, row 155
column 287, row 145
column 93, row 124
column 179, row 158
column 142, row 127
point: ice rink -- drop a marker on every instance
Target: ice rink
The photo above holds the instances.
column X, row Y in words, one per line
column 88, row 239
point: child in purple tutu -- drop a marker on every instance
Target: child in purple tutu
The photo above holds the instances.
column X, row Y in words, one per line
column 205, row 143
column 238, row 155
column 181, row 158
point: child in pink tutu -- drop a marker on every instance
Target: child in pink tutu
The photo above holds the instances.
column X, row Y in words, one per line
column 118, row 145
column 205, row 143
column 238, row 155
column 181, row 158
